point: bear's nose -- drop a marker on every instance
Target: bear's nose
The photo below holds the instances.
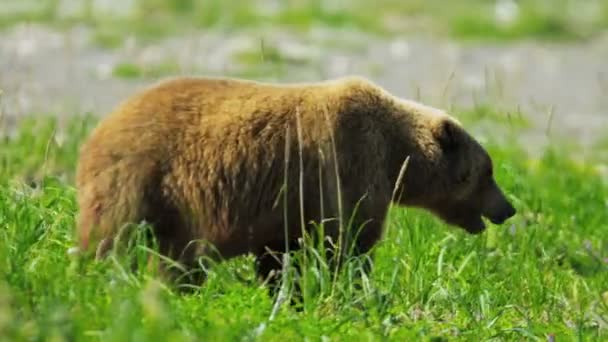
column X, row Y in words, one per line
column 504, row 215
column 511, row 212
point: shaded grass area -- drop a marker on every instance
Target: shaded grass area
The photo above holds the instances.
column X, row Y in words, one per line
column 475, row 19
column 545, row 273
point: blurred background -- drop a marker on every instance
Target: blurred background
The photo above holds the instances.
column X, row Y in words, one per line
column 537, row 69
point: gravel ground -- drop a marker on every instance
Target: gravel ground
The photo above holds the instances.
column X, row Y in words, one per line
column 47, row 72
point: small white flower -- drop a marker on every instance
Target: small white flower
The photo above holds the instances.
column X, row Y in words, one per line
column 506, row 11
column 73, row 250
column 26, row 47
column 400, row 48
column 104, row 70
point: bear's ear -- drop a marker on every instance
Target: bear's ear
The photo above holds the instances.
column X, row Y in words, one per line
column 446, row 133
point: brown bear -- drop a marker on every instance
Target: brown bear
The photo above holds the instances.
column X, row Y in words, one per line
column 241, row 166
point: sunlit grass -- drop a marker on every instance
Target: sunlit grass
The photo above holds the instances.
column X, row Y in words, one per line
column 545, row 272
column 476, row 19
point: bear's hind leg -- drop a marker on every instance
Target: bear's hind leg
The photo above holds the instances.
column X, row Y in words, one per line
column 112, row 199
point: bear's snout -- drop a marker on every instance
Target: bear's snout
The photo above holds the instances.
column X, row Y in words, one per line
column 495, row 205
column 506, row 211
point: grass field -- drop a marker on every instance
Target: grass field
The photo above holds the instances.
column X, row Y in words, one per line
column 472, row 19
column 541, row 275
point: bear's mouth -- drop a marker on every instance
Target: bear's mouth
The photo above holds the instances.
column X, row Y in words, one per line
column 472, row 222
column 474, row 225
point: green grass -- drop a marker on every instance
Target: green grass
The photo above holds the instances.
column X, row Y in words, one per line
column 536, row 18
column 492, row 115
column 474, row 19
column 544, row 273
column 132, row 71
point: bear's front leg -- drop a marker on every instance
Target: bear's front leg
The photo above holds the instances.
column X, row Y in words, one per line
column 364, row 227
column 269, row 262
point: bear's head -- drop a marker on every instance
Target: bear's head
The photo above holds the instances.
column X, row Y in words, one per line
column 452, row 176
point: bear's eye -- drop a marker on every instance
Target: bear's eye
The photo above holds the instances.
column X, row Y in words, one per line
column 462, row 178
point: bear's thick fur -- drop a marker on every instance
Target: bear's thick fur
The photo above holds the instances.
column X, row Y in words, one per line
column 236, row 163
